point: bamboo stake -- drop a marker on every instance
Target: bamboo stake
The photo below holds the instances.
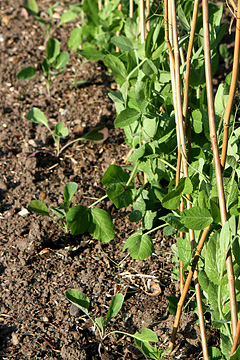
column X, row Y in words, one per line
column 131, row 8
column 187, row 284
column 227, row 114
column 232, row 3
column 179, row 119
column 148, row 14
column 235, row 340
column 142, row 21
column 100, row 5
column 217, row 164
column 168, row 24
column 118, row 32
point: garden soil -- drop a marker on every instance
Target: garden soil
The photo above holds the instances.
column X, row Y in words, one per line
column 38, row 262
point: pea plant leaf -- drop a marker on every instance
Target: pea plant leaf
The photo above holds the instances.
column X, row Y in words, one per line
column 140, row 246
column 146, row 335
column 127, row 117
column 79, row 299
column 68, row 192
column 26, row 73
column 61, row 60
column 38, row 207
column 196, row 218
column 77, row 218
column 52, row 49
column 75, row 39
column 122, row 42
column 115, row 178
column 101, row 226
column 118, row 68
column 37, row 116
column 115, row 306
column 67, row 17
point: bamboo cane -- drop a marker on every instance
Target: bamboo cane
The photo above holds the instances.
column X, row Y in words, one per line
column 187, row 284
column 217, row 164
column 235, row 340
column 148, row 14
column 168, row 24
column 142, row 21
column 131, row 8
column 232, row 90
column 179, row 119
column 100, row 5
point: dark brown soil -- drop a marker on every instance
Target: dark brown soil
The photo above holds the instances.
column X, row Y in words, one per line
column 38, row 263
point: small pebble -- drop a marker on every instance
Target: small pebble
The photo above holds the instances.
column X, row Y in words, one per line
column 14, row 339
column 23, row 212
column 74, row 311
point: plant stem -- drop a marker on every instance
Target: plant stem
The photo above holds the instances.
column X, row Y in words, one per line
column 156, row 228
column 98, row 201
column 217, row 164
column 232, row 90
column 133, row 173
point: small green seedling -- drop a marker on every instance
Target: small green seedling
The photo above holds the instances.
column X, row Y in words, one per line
column 37, row 116
column 78, row 219
column 97, row 135
column 141, row 338
column 48, row 21
column 53, row 64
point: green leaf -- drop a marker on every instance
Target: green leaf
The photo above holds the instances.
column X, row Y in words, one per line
column 67, row 17
column 182, row 19
column 197, row 121
column 118, row 69
column 135, row 216
column 37, row 116
column 101, row 322
column 212, row 260
column 236, row 354
column 174, row 221
column 184, row 250
column 46, row 68
column 97, row 135
column 173, row 301
column 91, row 53
column 31, row 6
column 38, row 207
column 149, row 68
column 115, row 306
column 119, row 195
column 146, row 335
column 115, row 175
column 122, row 42
column 68, row 192
column 101, row 226
column 214, row 353
column 52, row 50
column 171, row 201
column 58, row 211
column 26, row 73
column 127, row 117
column 79, row 299
column 61, row 60
column 140, row 246
column 131, row 29
column 77, row 219
column 61, row 130
column 75, row 39
column 196, row 218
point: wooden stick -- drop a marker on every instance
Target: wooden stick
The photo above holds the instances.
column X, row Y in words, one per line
column 118, row 32
column 179, row 119
column 216, row 159
column 148, row 14
column 235, row 340
column 227, row 114
column 142, row 21
column 187, row 284
column 131, row 8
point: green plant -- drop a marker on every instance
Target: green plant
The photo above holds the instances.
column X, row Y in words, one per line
column 35, row 115
column 78, row 219
column 182, row 181
column 141, row 338
column 53, row 65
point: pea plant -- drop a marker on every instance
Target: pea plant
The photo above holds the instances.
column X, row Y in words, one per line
column 35, row 115
column 78, row 219
column 142, row 338
column 52, row 65
column 185, row 146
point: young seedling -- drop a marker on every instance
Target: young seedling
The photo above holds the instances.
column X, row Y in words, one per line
column 79, row 218
column 141, row 338
column 53, row 65
column 96, row 135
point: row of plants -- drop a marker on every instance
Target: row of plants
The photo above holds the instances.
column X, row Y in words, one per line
column 183, row 173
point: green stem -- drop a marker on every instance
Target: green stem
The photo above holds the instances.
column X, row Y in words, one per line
column 98, row 201
column 156, row 228
column 133, row 173
column 221, row 313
